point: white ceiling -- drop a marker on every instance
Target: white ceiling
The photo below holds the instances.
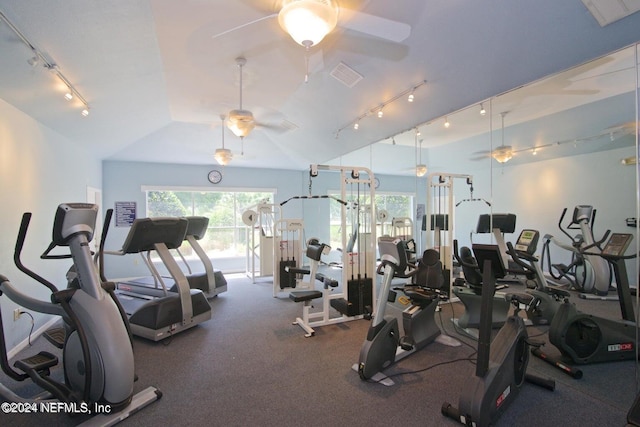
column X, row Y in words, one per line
column 157, row 74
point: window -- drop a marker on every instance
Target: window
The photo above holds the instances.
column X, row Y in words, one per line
column 396, row 205
column 226, row 236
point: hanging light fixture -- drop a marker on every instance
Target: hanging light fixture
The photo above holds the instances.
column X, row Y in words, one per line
column 446, row 122
column 503, row 153
column 308, row 21
column 223, row 155
column 421, row 169
column 241, row 122
column 482, row 110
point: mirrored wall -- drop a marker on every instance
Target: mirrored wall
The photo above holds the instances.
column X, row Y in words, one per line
column 536, row 152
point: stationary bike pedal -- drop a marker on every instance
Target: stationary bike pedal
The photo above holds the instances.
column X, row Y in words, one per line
column 406, row 344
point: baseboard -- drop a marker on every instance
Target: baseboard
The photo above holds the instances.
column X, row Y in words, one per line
column 25, row 343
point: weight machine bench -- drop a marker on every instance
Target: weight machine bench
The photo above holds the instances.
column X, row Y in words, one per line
column 348, row 309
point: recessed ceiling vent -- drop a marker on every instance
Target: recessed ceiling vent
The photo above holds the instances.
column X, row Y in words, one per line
column 608, row 11
column 346, row 75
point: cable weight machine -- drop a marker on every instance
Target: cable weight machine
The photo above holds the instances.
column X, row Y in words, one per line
column 439, row 221
column 357, row 296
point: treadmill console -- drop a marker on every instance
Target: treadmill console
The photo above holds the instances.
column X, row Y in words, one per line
column 617, row 244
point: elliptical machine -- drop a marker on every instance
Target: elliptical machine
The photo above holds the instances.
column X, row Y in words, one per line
column 383, row 345
column 586, row 272
column 584, row 338
column 97, row 349
column 502, row 363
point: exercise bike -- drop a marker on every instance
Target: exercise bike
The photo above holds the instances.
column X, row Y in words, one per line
column 469, row 292
column 383, row 345
column 584, row 338
column 96, row 344
column 501, row 368
column 586, row 273
column 542, row 301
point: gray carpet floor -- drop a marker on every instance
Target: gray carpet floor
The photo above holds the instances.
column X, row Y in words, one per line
column 249, row 365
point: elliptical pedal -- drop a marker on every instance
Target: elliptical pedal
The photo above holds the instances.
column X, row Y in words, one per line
column 40, row 362
column 56, row 336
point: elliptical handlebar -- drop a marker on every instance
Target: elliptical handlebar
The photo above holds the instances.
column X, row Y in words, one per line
column 22, row 234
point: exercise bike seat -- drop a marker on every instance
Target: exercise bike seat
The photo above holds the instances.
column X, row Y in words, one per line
column 429, row 271
column 471, row 275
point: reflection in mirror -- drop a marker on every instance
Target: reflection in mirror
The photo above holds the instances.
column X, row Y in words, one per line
column 570, row 139
column 538, row 152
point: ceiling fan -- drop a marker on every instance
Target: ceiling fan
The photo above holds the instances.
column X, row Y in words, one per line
column 325, row 15
column 309, row 21
column 240, row 121
column 501, row 154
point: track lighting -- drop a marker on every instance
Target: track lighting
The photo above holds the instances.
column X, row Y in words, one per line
column 482, row 110
column 50, row 66
column 34, row 61
column 378, row 109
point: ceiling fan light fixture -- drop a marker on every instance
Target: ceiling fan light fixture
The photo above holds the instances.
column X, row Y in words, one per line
column 421, row 170
column 223, row 156
column 241, row 122
column 308, row 21
column 502, row 154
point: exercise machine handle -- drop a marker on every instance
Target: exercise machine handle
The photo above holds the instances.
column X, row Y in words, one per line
column 596, row 244
column 517, row 257
column 22, row 233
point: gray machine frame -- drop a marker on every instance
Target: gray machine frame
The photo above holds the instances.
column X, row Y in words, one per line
column 98, row 353
column 159, row 235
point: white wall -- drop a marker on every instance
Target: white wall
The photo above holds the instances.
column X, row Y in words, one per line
column 39, row 169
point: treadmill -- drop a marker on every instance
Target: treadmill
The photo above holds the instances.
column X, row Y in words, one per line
column 159, row 315
column 211, row 282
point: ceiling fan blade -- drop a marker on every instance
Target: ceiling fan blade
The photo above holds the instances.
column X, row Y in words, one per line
column 374, row 25
column 246, row 24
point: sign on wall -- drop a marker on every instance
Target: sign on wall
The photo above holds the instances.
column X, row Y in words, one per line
column 125, row 213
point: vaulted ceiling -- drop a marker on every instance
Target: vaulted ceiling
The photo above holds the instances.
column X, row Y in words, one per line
column 157, row 74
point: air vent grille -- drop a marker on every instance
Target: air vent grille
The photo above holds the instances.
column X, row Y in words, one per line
column 346, row 75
